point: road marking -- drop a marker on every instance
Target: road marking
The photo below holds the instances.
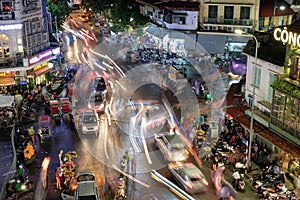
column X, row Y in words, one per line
column 131, row 177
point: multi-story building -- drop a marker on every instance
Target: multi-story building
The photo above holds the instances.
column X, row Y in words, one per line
column 24, row 45
column 276, row 78
column 177, row 15
column 214, row 15
column 229, row 15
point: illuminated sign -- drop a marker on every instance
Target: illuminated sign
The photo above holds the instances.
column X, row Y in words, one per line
column 285, row 36
column 3, row 74
column 40, row 57
column 10, row 27
column 56, row 51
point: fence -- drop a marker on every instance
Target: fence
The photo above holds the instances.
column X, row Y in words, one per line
column 12, row 169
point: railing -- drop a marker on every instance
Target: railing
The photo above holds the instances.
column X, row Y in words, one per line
column 244, row 22
column 11, row 172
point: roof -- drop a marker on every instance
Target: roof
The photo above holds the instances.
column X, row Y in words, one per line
column 171, row 5
column 267, row 8
column 156, row 31
column 269, row 50
column 6, row 101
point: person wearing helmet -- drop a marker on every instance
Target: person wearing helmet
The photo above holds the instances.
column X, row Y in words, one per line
column 21, row 172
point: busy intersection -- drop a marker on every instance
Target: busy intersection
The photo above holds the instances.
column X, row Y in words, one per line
column 130, row 124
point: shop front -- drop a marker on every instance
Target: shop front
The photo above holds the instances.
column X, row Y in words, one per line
column 40, row 64
column 6, row 78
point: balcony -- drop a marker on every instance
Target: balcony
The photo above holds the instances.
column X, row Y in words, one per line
column 7, row 15
column 220, row 21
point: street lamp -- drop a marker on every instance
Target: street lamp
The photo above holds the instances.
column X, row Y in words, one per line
column 281, row 7
column 253, row 93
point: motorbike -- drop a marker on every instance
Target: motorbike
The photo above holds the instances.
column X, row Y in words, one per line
column 25, row 187
column 124, row 162
column 121, row 194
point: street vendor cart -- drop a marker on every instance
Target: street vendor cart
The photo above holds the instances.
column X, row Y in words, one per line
column 65, row 108
column 44, row 132
column 55, row 114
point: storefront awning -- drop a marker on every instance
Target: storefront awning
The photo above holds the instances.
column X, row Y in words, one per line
column 42, row 71
column 7, row 81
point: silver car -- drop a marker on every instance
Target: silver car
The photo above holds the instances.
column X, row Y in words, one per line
column 189, row 177
column 86, row 188
column 172, row 146
column 89, row 122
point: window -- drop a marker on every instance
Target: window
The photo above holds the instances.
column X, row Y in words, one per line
column 256, row 77
column 228, row 12
column 270, row 89
column 245, row 12
column 178, row 20
column 4, row 48
column 212, row 11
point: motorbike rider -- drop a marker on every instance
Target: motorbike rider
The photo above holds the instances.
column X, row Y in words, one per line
column 121, row 187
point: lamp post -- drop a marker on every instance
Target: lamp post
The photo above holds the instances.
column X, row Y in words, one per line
column 253, row 93
column 281, row 7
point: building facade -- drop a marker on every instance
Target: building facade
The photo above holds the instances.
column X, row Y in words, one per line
column 214, row 15
column 24, row 44
column 175, row 15
column 230, row 15
column 276, row 78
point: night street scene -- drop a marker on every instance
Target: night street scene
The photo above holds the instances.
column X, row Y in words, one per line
column 149, row 100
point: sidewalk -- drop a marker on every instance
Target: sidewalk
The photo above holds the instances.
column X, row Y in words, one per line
column 237, row 110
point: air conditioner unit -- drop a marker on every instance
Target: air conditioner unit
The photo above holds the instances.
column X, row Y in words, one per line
column 245, row 30
column 230, row 29
column 214, row 28
column 206, row 28
column 20, row 73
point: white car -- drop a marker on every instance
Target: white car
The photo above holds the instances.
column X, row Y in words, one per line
column 86, row 188
column 189, row 177
column 172, row 146
column 89, row 122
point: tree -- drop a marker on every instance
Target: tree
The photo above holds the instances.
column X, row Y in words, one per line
column 93, row 6
column 60, row 9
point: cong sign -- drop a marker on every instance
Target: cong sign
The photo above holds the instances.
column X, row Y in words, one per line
column 40, row 57
column 286, row 36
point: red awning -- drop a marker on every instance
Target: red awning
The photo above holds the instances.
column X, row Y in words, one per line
column 267, row 8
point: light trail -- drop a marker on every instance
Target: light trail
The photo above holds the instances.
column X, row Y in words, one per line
column 143, row 127
column 131, row 177
column 99, row 66
column 107, row 113
column 107, row 65
column 121, row 85
column 105, row 140
column 87, row 35
column 119, row 69
column 174, row 188
column 96, row 53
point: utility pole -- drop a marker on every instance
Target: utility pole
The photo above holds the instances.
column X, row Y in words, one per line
column 56, row 29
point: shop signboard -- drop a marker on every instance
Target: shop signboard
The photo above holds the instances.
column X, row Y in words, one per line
column 40, row 57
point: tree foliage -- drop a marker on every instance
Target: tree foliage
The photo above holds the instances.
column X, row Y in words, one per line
column 60, row 9
column 121, row 12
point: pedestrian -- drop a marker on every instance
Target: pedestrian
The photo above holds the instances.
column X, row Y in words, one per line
column 21, row 172
column 31, row 133
column 57, row 177
column 236, row 177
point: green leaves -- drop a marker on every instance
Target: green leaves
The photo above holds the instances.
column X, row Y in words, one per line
column 286, row 87
column 60, row 9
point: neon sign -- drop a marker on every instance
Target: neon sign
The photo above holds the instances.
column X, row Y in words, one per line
column 40, row 57
column 11, row 27
column 287, row 37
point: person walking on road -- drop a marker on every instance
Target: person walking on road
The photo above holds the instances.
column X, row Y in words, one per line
column 31, row 133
